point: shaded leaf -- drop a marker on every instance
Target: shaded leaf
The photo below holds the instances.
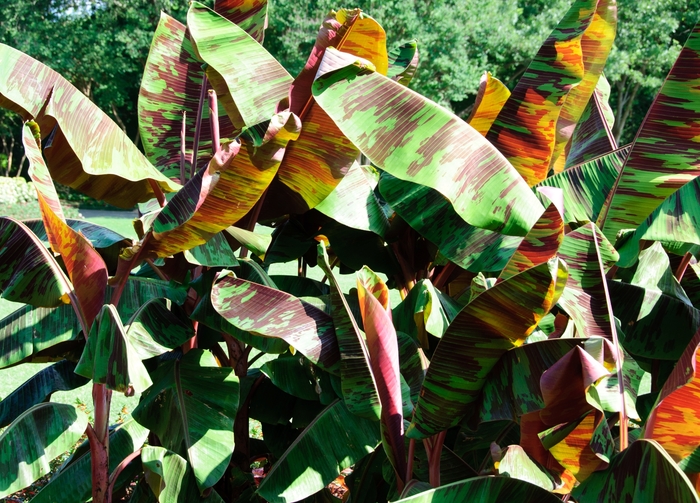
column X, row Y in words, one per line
column 157, row 327
column 36, row 437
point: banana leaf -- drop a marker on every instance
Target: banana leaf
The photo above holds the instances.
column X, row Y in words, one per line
column 662, row 158
column 74, row 150
column 490, row 98
column 187, row 417
column 497, row 320
column 36, row 437
column 481, row 185
column 250, row 15
column 403, row 62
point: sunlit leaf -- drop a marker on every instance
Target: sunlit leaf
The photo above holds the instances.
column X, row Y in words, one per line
column 490, row 98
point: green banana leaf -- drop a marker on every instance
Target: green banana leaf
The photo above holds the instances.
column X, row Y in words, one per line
column 497, row 320
column 76, row 475
column 250, row 15
column 484, row 490
column 287, row 374
column 471, row 173
column 157, row 327
column 99, row 236
column 255, row 242
column 249, row 82
column 36, row 437
column 28, row 272
column 357, row 378
column 138, row 291
column 642, row 473
column 119, row 175
column 169, row 477
column 38, row 388
column 216, row 252
column 515, row 463
column 109, row 357
column 272, row 313
column 187, row 417
column 662, row 158
column 403, row 62
column 319, row 454
column 29, row 330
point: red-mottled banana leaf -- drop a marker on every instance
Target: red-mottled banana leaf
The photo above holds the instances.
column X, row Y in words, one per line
column 691, row 283
column 383, row 349
column 413, row 362
column 674, row 421
column 28, row 272
column 543, row 240
column 109, row 357
column 354, row 203
column 484, row 489
column 315, row 163
column 497, row 320
column 586, row 186
column 533, row 119
column 157, row 327
column 490, row 98
column 643, row 473
column 248, row 81
column 220, row 194
column 424, row 311
column 86, row 269
column 357, row 379
column 584, row 296
column 38, row 389
column 662, row 159
column 403, row 62
column 596, row 43
column 250, row 15
column 593, row 134
column 123, row 440
column 269, row 312
column 469, row 247
column 513, row 386
column 181, row 409
column 84, row 149
column 171, row 85
column 41, row 434
column 654, row 273
column 324, row 440
column 412, row 138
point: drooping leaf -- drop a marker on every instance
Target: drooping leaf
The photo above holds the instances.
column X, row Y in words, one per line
column 593, row 134
column 272, row 313
column 36, row 437
column 357, row 379
column 497, row 320
column 481, row 185
column 216, row 252
column 222, row 193
column 586, row 186
column 490, row 98
column 157, row 327
column 30, row 330
column 109, row 357
column 233, row 69
column 28, row 272
column 125, row 439
column 85, row 266
column 513, row 386
column 319, row 454
column 138, row 291
column 413, row 362
column 662, row 158
column 654, row 273
column 642, row 473
column 383, row 349
column 584, row 296
column 181, row 409
column 485, row 490
column 515, row 463
column 257, row 243
column 354, row 203
column 99, row 236
column 36, row 389
column 526, row 129
column 76, row 155
column 171, row 85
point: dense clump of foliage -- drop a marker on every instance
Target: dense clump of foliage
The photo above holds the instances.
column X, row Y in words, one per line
column 544, row 333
